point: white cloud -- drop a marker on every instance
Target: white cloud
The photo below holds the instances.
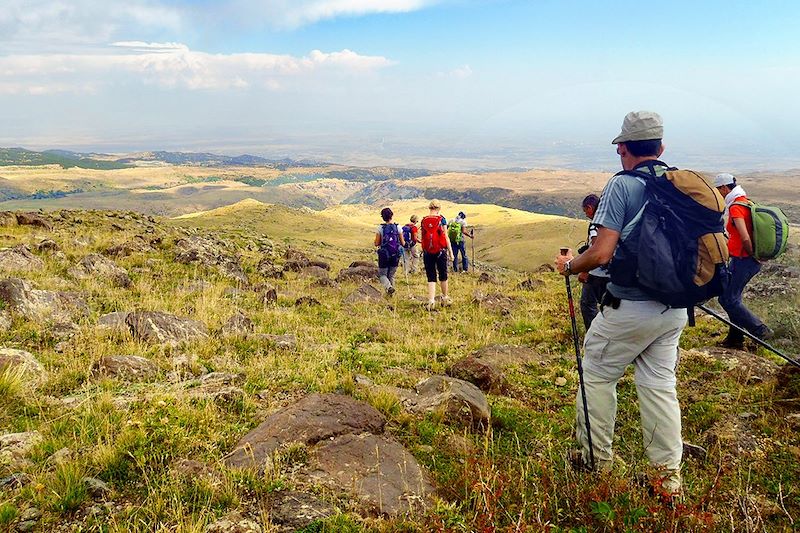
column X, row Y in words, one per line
column 300, row 12
column 171, row 65
column 462, row 72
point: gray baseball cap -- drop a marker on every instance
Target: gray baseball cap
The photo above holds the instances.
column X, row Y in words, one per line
column 640, row 126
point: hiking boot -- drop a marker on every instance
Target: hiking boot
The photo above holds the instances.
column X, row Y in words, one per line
column 667, row 486
column 766, row 333
column 431, row 305
column 732, row 343
column 581, row 464
column 446, row 301
column 390, row 291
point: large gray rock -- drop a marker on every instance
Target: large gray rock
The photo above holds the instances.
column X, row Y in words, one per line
column 95, row 266
column 125, row 367
column 452, row 399
column 377, row 470
column 238, row 324
column 137, row 244
column 218, row 387
column 29, row 365
column 233, row 523
column 164, row 328
column 206, row 252
column 267, row 268
column 19, row 258
column 312, row 419
column 40, row 305
column 7, row 219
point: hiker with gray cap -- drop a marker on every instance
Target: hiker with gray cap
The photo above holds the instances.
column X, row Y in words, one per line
column 743, row 265
column 633, row 327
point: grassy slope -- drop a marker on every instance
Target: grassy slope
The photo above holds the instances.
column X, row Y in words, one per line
column 514, row 477
column 508, row 237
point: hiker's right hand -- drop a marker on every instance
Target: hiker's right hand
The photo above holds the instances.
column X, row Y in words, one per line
column 561, row 260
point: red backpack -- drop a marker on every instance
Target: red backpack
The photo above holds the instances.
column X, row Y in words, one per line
column 434, row 238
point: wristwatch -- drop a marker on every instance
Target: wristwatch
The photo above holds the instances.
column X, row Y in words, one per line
column 568, row 268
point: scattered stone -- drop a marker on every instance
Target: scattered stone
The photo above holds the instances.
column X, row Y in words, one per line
column 39, row 305
column 268, row 269
column 281, row 342
column 48, row 245
column 7, row 219
column 366, row 293
column 560, row 382
column 358, row 273
column 137, row 244
column 33, row 219
column 218, row 387
column 546, row 267
column 362, row 381
column 208, row 253
column 733, row 433
column 494, row 302
column 453, row 399
column 11, row 358
column 319, row 264
column 485, row 277
column 125, row 367
column 267, row 294
column 530, row 284
column 356, row 264
column 307, row 301
column 742, row 366
column 293, row 511
column 96, row 487
column 747, row 415
column 5, row 321
column 14, row 447
column 315, row 418
column 238, row 324
column 164, row 328
column 693, row 450
column 295, row 266
column 293, row 254
column 19, row 258
column 16, row 480
column 486, row 368
column 314, row 272
column 233, row 523
column 95, row 266
column 60, row 456
column 113, row 321
column 61, row 347
column 794, row 420
column 193, row 469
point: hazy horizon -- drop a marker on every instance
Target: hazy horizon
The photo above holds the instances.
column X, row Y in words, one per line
column 434, row 83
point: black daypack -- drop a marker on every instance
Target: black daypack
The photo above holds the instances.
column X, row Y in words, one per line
column 682, row 253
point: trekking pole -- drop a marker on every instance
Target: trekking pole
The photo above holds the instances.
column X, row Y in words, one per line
column 580, row 364
column 472, row 235
column 750, row 335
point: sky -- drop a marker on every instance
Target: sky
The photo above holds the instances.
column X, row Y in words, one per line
column 438, row 83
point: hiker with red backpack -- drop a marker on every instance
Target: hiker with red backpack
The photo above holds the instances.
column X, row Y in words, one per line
column 436, row 253
column 661, row 267
column 743, row 263
column 389, row 242
column 410, row 249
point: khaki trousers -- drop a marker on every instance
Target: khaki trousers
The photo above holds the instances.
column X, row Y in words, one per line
column 646, row 335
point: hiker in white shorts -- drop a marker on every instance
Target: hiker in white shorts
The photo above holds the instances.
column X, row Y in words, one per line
column 632, row 327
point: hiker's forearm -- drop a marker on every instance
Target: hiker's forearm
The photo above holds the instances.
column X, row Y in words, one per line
column 600, row 253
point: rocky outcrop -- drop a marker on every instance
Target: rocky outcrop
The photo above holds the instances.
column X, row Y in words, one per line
column 14, row 447
column 292, row 511
column 137, row 244
column 125, row 367
column 95, row 266
column 495, row 302
column 268, row 269
column 238, row 324
column 452, row 399
column 210, row 254
column 348, row 451
column 219, row 387
column 40, row 305
column 314, row 418
column 164, row 328
column 7, row 219
column 19, row 258
column 115, row 321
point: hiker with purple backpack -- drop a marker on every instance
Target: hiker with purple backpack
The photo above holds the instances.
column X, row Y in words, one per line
column 388, row 241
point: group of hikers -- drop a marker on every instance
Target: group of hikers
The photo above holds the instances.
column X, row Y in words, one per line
column 661, row 241
column 437, row 241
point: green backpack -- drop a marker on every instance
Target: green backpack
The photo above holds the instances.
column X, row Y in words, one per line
column 770, row 230
column 454, row 232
